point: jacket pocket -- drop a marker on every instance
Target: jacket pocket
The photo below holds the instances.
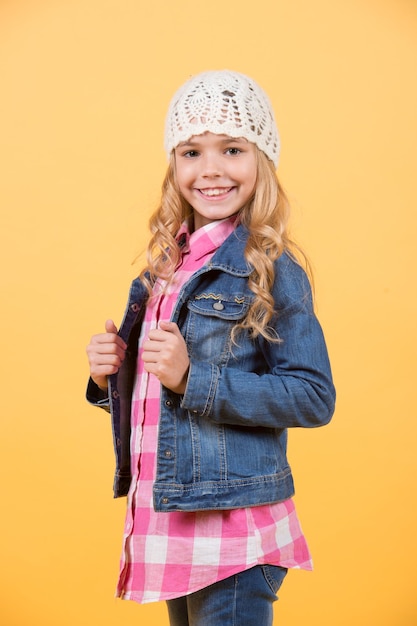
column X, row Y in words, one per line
column 218, row 305
column 210, row 321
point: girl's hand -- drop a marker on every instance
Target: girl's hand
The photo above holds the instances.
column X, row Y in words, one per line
column 106, row 353
column 165, row 355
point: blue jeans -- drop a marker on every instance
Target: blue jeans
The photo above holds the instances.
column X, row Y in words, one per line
column 244, row 599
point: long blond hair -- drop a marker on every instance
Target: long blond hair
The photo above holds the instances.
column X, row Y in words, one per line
column 265, row 217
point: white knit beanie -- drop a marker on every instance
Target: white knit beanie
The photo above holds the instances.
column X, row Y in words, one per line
column 223, row 103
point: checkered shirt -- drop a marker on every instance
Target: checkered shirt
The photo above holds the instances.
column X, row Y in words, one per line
column 168, row 555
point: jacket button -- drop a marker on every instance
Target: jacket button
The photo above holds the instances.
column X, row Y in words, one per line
column 168, row 403
column 168, row 454
column 165, row 500
column 115, row 394
column 135, row 307
column 218, row 306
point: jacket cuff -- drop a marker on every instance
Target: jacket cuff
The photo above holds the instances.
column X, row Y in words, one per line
column 96, row 396
column 201, row 386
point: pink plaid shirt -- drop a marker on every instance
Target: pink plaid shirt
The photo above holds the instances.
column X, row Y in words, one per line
column 167, row 555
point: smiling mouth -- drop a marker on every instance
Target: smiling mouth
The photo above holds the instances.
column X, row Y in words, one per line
column 215, row 192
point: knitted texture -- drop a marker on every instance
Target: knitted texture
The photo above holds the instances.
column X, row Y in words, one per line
column 223, row 103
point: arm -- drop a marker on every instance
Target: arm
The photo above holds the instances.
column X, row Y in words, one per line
column 294, row 389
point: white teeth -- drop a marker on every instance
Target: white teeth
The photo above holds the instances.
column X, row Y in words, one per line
column 214, row 192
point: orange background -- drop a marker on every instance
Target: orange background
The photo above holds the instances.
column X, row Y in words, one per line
column 84, row 89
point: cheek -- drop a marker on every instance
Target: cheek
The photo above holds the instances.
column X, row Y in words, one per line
column 184, row 176
column 250, row 178
column 250, row 172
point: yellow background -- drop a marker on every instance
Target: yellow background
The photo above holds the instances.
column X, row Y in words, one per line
column 84, row 89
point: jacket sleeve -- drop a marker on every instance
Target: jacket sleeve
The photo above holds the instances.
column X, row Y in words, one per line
column 296, row 388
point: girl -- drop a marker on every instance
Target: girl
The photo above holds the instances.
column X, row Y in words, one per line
column 218, row 354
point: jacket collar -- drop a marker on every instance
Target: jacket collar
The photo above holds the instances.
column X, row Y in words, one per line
column 230, row 256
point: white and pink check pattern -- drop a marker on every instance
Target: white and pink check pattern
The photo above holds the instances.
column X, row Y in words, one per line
column 167, row 555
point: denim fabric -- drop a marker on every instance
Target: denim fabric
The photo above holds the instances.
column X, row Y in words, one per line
column 244, row 599
column 222, row 444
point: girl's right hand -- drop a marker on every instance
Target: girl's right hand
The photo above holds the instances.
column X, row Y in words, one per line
column 106, row 353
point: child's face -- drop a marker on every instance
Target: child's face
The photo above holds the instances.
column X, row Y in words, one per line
column 216, row 174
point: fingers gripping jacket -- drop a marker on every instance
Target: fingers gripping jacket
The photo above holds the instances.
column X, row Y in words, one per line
column 224, row 103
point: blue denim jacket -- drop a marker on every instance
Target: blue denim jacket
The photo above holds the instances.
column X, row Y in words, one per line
column 222, row 444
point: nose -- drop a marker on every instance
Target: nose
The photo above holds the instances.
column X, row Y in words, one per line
column 211, row 166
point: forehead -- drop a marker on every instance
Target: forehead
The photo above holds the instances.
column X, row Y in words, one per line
column 209, row 138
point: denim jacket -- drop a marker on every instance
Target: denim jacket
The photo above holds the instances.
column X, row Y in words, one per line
column 222, row 444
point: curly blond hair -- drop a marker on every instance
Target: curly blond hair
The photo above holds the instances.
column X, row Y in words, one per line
column 265, row 217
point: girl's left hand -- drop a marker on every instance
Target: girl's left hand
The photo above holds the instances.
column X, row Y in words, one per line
column 165, row 355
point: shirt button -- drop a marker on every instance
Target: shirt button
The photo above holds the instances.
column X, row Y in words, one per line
column 115, row 394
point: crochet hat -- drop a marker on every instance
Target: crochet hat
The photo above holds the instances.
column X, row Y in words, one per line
column 223, row 103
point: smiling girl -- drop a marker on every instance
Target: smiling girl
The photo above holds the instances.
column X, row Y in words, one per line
column 218, row 354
